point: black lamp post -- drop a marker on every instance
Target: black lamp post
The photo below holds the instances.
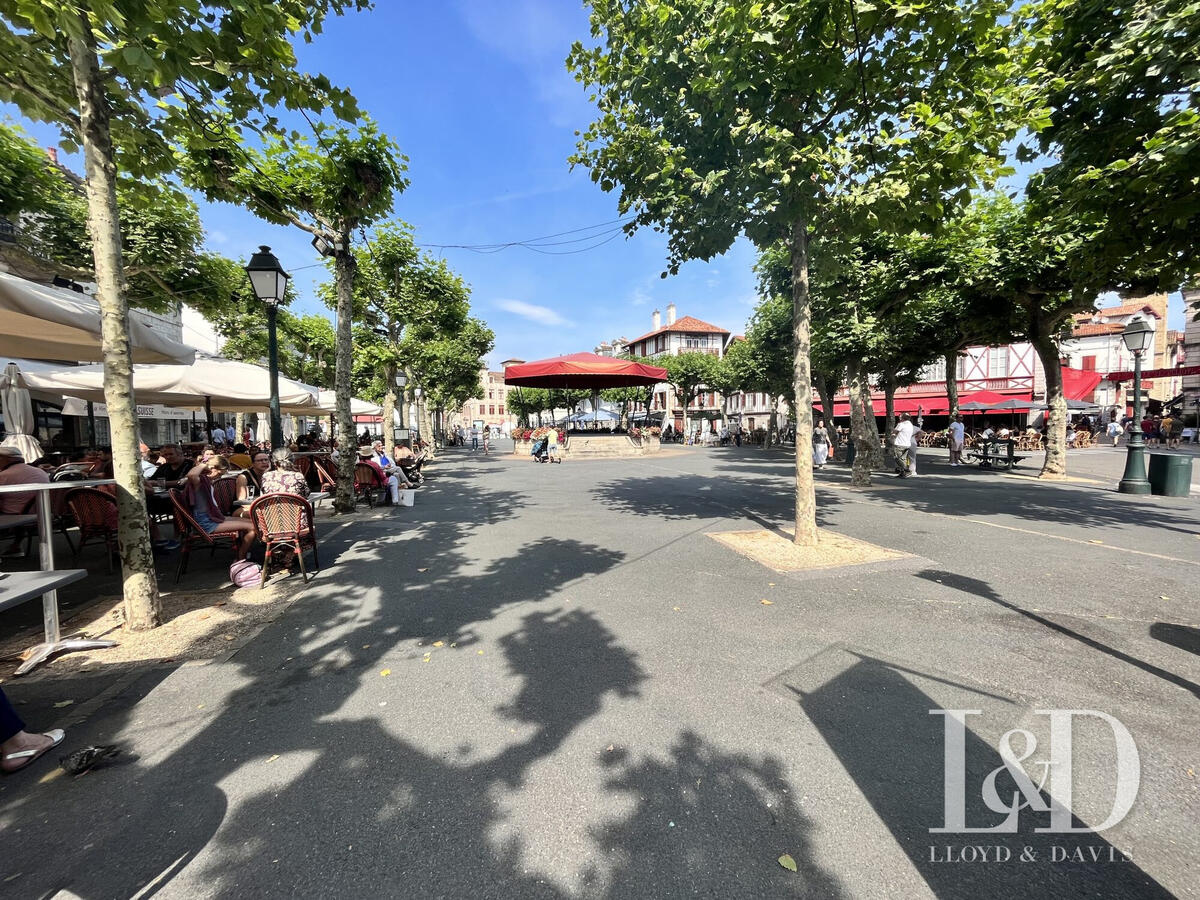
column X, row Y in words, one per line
column 1138, row 336
column 270, row 284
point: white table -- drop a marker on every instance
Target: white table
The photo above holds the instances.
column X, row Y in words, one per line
column 49, row 589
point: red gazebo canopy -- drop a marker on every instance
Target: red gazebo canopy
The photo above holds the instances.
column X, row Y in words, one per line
column 583, row 371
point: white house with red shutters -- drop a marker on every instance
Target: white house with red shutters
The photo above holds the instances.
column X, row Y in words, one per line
column 1093, row 350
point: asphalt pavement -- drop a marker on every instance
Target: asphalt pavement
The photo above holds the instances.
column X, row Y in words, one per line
column 548, row 681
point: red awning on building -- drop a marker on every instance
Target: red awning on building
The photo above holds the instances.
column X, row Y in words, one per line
column 1078, row 384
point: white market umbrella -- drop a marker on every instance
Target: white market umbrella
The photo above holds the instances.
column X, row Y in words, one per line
column 18, row 415
column 224, row 383
column 328, row 402
column 55, row 323
column 262, row 432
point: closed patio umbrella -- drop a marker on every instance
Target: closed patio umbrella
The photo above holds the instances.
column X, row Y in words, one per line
column 18, row 415
column 42, row 322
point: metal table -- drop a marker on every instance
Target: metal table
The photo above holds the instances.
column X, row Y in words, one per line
column 49, row 589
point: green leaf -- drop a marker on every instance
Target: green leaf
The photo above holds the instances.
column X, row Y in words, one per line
column 787, row 862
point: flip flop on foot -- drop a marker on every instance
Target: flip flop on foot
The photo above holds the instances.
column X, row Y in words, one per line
column 38, row 744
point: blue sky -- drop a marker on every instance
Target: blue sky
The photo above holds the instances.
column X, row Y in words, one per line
column 477, row 95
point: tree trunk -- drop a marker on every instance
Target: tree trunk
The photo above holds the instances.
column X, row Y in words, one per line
column 872, row 422
column 952, row 382
column 344, row 271
column 889, row 402
column 862, row 431
column 772, row 422
column 389, row 412
column 143, row 609
column 1055, row 465
column 806, row 498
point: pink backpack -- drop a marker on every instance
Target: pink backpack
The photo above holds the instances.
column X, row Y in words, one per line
column 245, row 573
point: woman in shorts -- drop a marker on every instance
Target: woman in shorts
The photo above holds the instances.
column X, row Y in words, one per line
column 203, row 504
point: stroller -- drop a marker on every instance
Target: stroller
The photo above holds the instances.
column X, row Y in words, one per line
column 540, row 450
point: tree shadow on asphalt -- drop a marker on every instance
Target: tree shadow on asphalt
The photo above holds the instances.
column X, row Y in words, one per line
column 1184, row 637
column 971, row 492
column 879, row 724
column 335, row 797
column 977, row 588
column 688, row 496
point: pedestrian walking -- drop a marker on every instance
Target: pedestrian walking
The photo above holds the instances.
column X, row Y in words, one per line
column 487, row 437
column 820, row 441
column 474, row 438
column 904, row 446
column 957, row 436
column 1114, row 431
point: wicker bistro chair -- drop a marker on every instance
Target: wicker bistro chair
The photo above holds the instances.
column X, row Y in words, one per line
column 366, row 484
column 285, row 520
column 225, row 492
column 326, row 473
column 192, row 535
column 95, row 512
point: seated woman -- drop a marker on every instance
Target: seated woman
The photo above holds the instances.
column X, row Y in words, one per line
column 205, row 510
column 249, row 481
column 283, row 479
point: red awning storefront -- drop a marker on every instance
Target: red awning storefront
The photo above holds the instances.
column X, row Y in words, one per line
column 1078, row 384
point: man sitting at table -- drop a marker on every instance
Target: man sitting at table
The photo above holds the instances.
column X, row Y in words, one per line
column 382, row 478
column 14, row 470
column 405, row 466
column 240, row 458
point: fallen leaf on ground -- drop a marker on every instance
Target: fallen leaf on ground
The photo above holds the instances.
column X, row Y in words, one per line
column 453, row 644
column 787, row 862
column 1163, row 597
column 61, row 703
column 677, row 608
column 1095, row 542
column 438, row 643
column 425, row 658
column 770, row 584
column 1191, row 772
column 480, row 652
column 220, row 603
column 385, row 673
column 228, row 637
column 767, row 602
column 610, row 747
column 365, row 647
column 423, row 570
column 273, row 758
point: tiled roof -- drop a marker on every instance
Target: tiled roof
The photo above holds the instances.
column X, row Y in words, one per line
column 1088, row 329
column 687, row 324
column 1126, row 309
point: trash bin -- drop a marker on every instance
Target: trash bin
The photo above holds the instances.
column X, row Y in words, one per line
column 1170, row 474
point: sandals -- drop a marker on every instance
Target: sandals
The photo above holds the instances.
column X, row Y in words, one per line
column 56, row 736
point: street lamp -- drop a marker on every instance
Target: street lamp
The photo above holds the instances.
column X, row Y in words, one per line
column 1138, row 335
column 270, row 284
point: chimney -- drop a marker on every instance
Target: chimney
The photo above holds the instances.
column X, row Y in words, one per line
column 655, row 320
column 670, row 313
column 52, row 152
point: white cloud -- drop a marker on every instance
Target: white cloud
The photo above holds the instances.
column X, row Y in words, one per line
column 542, row 315
column 217, row 236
